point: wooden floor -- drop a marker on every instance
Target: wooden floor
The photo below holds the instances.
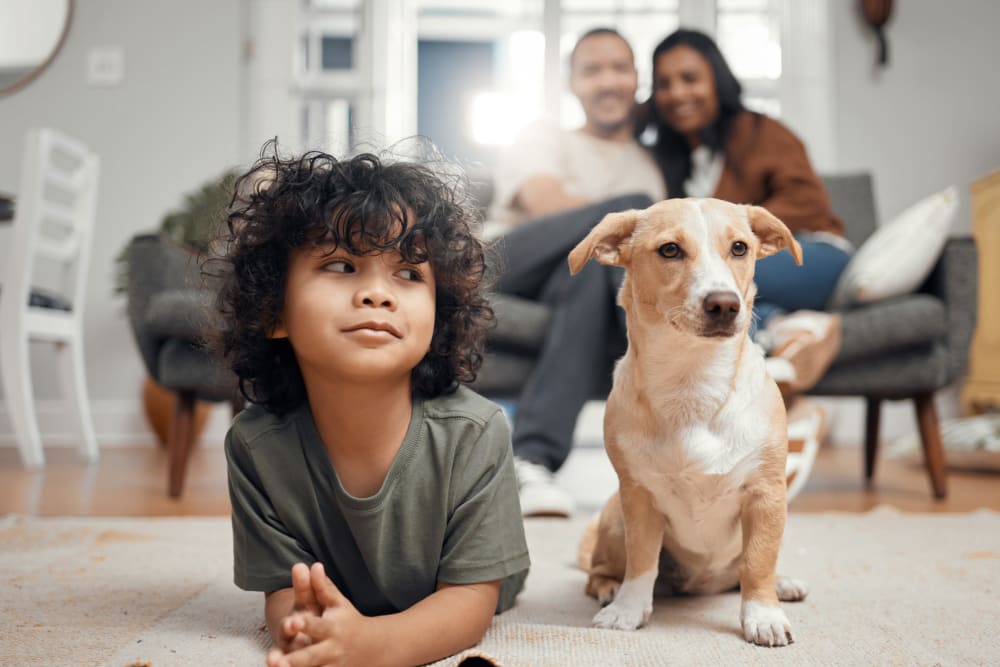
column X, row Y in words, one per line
column 131, row 481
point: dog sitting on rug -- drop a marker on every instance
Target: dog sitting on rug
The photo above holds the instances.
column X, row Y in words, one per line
column 694, row 425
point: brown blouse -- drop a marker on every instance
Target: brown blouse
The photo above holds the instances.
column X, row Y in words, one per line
column 767, row 165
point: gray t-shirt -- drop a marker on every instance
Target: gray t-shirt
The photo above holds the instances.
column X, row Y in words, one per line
column 447, row 511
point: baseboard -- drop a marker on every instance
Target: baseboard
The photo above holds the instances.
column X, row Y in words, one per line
column 117, row 423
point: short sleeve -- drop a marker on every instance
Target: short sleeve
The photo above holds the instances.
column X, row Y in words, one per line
column 484, row 538
column 263, row 550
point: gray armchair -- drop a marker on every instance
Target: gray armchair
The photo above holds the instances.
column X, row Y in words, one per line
column 169, row 312
column 898, row 349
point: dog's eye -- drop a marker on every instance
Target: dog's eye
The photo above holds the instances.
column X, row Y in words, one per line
column 670, row 250
column 739, row 248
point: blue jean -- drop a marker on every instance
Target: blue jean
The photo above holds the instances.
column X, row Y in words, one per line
column 783, row 286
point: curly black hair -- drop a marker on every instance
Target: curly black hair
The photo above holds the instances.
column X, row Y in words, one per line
column 366, row 205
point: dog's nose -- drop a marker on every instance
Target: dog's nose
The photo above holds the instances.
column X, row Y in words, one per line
column 722, row 307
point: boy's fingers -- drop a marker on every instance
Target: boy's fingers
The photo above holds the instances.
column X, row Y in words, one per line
column 304, row 596
column 275, row 658
column 311, row 656
column 325, row 590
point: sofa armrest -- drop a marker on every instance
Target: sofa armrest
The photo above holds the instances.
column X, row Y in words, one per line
column 955, row 281
column 180, row 313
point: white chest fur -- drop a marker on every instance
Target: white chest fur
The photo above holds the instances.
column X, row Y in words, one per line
column 695, row 461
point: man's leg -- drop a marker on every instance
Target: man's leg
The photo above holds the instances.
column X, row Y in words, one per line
column 530, row 253
column 575, row 364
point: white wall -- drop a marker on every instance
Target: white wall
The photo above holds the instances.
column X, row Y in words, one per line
column 929, row 119
column 173, row 122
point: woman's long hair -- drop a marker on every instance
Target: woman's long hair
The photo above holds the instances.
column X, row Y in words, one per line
column 672, row 150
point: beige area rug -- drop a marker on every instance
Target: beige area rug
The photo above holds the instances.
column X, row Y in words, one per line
column 886, row 589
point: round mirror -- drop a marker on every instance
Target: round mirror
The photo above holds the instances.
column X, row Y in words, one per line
column 31, row 33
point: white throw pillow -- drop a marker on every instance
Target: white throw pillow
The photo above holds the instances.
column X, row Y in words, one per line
column 899, row 256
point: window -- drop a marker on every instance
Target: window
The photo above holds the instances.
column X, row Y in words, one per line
column 489, row 72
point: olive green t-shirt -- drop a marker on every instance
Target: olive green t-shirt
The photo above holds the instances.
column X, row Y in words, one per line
column 447, row 511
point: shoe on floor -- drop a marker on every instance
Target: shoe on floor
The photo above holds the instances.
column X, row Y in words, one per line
column 538, row 492
column 806, row 423
column 802, row 347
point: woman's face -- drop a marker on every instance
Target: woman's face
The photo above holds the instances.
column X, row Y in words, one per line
column 684, row 91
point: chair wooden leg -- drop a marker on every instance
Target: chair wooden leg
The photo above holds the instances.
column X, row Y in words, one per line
column 872, row 415
column 181, row 435
column 930, row 437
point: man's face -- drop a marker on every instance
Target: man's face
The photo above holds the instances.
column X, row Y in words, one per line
column 603, row 78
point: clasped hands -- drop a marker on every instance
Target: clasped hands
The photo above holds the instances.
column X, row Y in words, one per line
column 324, row 628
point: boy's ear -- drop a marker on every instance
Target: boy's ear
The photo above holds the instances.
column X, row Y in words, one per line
column 773, row 234
column 606, row 241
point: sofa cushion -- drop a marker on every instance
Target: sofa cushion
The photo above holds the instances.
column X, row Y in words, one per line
column 186, row 366
column 184, row 313
column 900, row 254
column 521, row 324
column 897, row 375
column 893, row 324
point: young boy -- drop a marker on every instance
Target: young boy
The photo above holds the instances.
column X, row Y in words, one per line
column 352, row 306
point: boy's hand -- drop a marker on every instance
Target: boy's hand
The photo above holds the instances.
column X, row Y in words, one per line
column 336, row 637
column 305, row 603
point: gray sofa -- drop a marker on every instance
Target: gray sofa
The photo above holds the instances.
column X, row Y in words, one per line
column 904, row 348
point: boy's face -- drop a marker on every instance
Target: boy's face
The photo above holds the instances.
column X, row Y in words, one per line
column 356, row 318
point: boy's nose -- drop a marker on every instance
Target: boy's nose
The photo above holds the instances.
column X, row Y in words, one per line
column 375, row 296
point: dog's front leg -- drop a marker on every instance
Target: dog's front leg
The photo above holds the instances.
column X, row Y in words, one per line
column 643, row 539
column 763, row 521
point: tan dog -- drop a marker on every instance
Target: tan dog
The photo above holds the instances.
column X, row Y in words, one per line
column 694, row 425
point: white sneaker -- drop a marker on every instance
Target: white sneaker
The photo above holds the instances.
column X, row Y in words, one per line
column 538, row 492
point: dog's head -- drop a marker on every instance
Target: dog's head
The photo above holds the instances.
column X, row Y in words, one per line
column 690, row 261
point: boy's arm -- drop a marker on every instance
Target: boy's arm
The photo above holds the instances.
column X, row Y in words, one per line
column 453, row 618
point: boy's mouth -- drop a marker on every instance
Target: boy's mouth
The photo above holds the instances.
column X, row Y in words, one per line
column 375, row 326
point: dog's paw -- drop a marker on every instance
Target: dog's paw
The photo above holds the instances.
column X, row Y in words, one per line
column 765, row 625
column 604, row 589
column 791, row 590
column 619, row 616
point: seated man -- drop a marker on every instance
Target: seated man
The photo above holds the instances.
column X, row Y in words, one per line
column 552, row 185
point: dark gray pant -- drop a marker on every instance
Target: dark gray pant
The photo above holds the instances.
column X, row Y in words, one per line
column 587, row 331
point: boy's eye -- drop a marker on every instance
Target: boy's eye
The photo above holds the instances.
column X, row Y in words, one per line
column 409, row 274
column 339, row 266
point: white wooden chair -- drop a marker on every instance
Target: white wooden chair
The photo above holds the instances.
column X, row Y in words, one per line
column 51, row 239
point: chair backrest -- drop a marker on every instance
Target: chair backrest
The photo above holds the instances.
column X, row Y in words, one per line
column 853, row 199
column 53, row 221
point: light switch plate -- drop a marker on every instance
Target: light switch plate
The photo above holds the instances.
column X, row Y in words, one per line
column 105, row 66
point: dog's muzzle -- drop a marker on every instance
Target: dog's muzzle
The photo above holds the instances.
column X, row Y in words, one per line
column 720, row 312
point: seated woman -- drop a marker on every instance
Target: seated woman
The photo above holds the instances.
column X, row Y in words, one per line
column 709, row 145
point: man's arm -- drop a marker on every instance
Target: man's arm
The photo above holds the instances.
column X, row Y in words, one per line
column 541, row 195
column 453, row 618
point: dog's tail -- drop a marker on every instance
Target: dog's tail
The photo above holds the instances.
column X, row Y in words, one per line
column 588, row 542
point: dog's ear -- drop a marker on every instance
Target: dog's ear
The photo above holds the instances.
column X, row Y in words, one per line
column 773, row 234
column 604, row 242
